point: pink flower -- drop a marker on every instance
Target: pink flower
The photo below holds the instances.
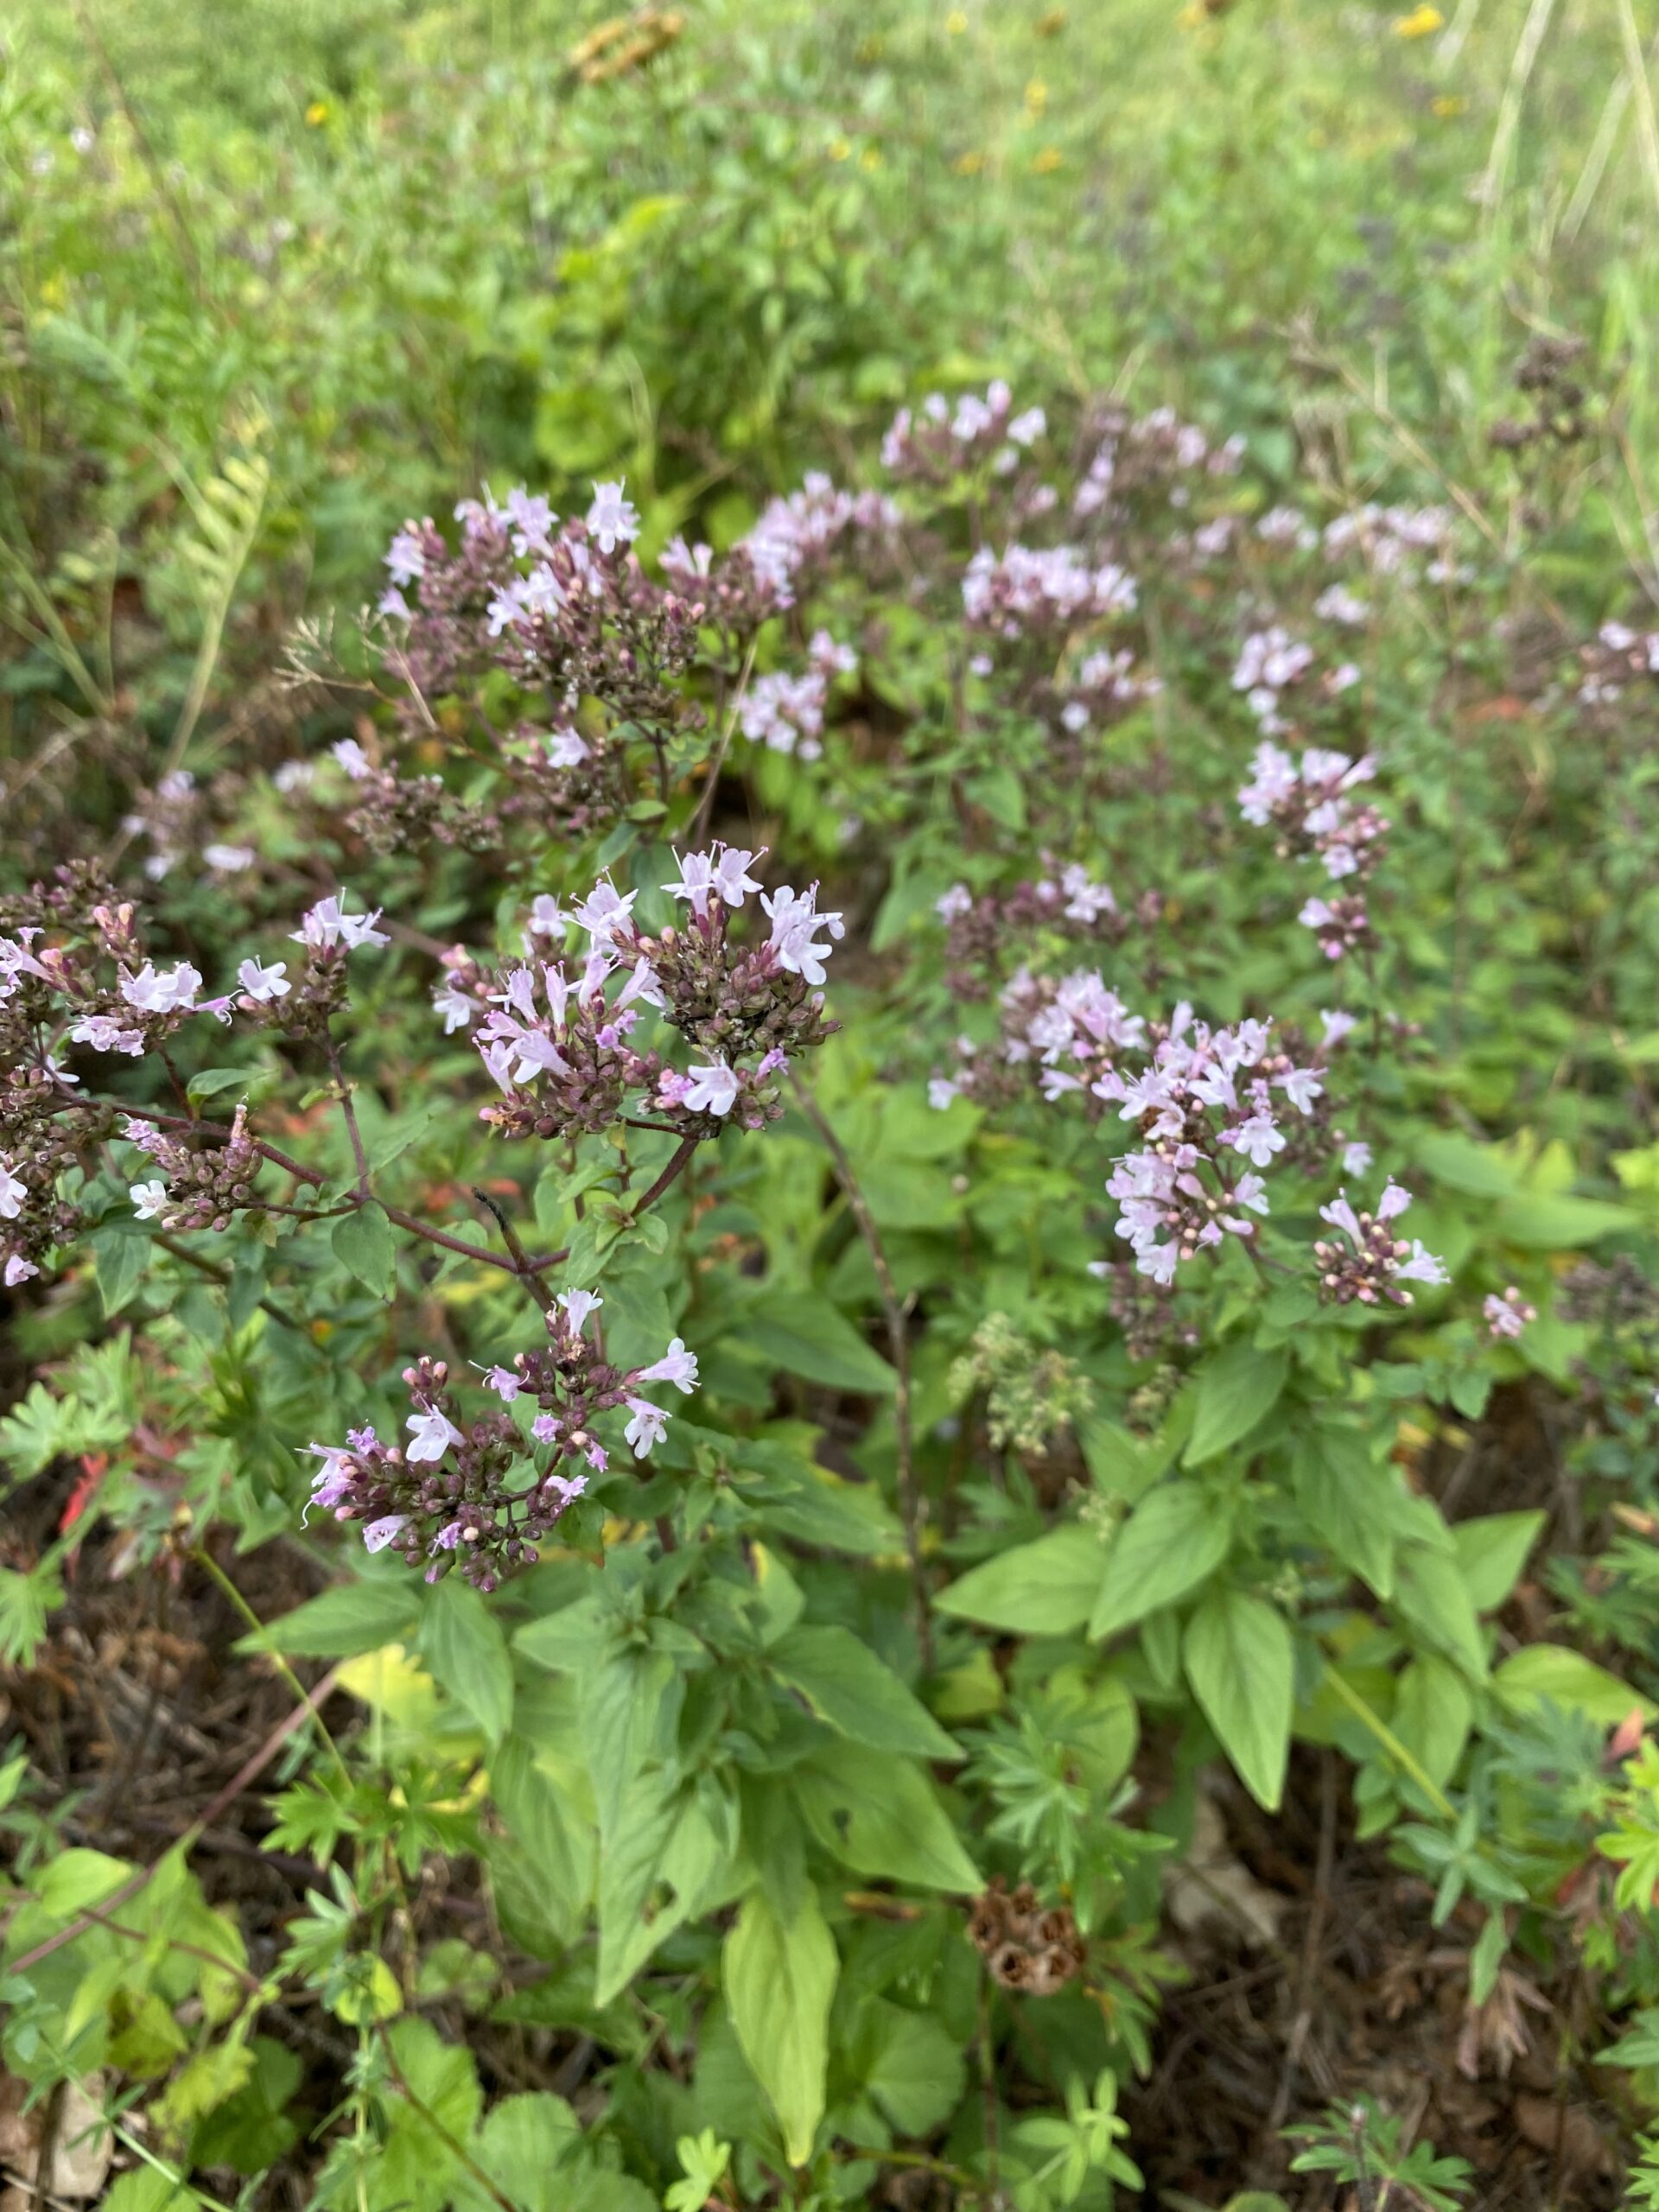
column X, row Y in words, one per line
column 328, row 924
column 612, row 519
column 578, row 1305
column 648, row 1425
column 377, row 1534
column 677, row 1366
column 604, row 911
column 263, row 983
column 712, row 1090
column 151, row 993
column 433, row 1433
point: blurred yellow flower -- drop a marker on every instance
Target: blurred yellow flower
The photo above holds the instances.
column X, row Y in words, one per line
column 841, row 149
column 317, row 113
column 1048, row 161
column 956, row 22
column 1036, row 97
column 870, row 158
column 969, row 164
column 1421, row 22
column 1449, row 104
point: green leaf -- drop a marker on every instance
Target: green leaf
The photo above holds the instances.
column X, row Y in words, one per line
column 121, row 1253
column 1431, row 1595
column 1042, row 1588
column 1239, row 1661
column 802, row 1333
column 1541, row 1223
column 418, row 2165
column 848, row 1686
column 909, row 2063
column 779, row 1978
column 652, row 1840
column 880, row 1815
column 214, row 1083
column 1348, row 1497
column 1433, row 1712
column 343, row 1623
column 1237, row 1390
column 1566, row 1678
column 463, row 1644
column 25, row 1600
column 254, row 2129
column 1463, row 1165
column 365, row 1247
column 1492, row 1552
column 1175, row 1539
column 144, row 2189
column 527, row 2146
column 77, row 1877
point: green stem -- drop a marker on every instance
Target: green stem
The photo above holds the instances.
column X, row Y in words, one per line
column 205, row 1560
column 1407, row 1761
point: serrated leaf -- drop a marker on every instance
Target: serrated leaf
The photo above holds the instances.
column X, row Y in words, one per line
column 909, row 2063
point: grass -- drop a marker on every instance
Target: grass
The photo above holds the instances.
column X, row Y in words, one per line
column 399, row 247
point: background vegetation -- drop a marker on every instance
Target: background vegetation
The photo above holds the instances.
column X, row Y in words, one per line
column 274, row 279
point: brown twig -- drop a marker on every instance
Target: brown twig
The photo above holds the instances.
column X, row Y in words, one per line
column 1312, row 1940
column 521, row 1260
column 671, row 1173
column 349, row 1113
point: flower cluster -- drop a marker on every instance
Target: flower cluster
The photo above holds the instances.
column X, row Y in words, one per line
column 559, row 1041
column 941, row 440
column 78, row 983
column 1072, row 904
column 1372, row 1264
column 478, row 1495
column 1619, row 657
column 1205, row 1102
column 193, row 1185
column 1139, row 460
column 1309, row 802
column 1026, row 590
column 1508, row 1315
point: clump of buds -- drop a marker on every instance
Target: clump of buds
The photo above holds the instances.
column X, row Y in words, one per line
column 1508, row 1315
column 478, row 1495
column 558, row 1041
column 194, row 1186
column 1374, row 1262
